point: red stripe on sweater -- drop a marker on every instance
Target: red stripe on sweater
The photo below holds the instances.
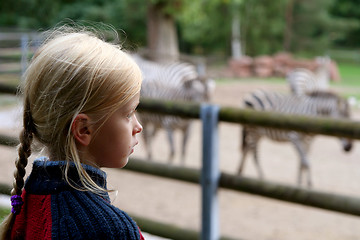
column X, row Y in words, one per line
column 34, row 220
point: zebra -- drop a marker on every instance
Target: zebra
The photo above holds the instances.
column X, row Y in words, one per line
column 176, row 81
column 303, row 81
column 316, row 103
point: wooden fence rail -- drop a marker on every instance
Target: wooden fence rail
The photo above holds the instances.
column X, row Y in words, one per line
column 316, row 125
column 328, row 201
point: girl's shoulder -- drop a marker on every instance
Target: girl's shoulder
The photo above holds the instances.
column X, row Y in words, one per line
column 85, row 215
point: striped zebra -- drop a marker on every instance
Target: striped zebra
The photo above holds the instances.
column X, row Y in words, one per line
column 176, row 81
column 303, row 81
column 319, row 103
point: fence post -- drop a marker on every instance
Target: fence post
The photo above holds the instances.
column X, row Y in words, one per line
column 24, row 52
column 210, row 174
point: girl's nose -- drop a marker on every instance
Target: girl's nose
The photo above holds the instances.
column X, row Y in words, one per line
column 138, row 127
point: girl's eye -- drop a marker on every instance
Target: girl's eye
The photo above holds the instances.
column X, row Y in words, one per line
column 131, row 114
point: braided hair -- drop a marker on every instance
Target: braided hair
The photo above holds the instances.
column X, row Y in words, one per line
column 24, row 152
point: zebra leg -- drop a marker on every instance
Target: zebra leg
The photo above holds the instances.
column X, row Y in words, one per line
column 245, row 149
column 186, row 133
column 242, row 161
column 302, row 148
column 250, row 140
column 305, row 169
column 170, row 134
column 306, row 143
column 257, row 163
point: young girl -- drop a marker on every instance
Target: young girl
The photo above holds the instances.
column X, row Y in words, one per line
column 80, row 98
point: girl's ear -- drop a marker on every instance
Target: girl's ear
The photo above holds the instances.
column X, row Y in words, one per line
column 81, row 129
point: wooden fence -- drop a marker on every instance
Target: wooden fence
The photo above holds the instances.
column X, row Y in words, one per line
column 326, row 126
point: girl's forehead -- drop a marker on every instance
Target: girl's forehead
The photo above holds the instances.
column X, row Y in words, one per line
column 133, row 102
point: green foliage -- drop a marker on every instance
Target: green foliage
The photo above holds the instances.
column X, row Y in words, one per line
column 347, row 11
column 28, row 13
column 169, row 7
column 315, row 36
column 204, row 26
column 128, row 16
column 132, row 20
column 92, row 10
column 8, row 13
column 262, row 26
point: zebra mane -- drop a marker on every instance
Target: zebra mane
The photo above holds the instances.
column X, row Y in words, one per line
column 323, row 94
column 342, row 104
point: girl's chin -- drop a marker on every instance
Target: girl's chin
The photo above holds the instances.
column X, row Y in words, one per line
column 124, row 162
column 120, row 164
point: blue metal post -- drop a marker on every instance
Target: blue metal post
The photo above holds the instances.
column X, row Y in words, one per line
column 24, row 52
column 210, row 173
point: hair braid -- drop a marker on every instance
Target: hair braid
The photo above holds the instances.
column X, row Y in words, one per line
column 24, row 151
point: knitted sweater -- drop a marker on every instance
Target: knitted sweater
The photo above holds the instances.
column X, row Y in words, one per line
column 54, row 210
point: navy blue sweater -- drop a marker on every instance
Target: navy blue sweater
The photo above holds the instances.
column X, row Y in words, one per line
column 54, row 210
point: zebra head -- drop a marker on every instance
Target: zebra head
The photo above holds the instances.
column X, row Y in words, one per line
column 330, row 104
column 209, row 87
column 347, row 144
column 199, row 89
column 323, row 67
column 344, row 112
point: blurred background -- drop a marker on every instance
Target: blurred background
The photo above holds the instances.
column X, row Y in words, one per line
column 208, row 28
column 243, row 45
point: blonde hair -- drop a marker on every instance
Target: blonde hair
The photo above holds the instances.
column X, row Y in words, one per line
column 74, row 71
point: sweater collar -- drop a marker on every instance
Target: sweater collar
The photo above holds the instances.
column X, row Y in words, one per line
column 48, row 177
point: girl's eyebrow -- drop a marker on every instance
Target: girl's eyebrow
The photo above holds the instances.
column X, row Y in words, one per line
column 135, row 108
column 136, row 105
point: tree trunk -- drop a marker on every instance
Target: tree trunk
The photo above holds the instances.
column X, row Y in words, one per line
column 162, row 36
column 289, row 22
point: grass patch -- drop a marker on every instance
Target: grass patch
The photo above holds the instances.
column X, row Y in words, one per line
column 348, row 86
column 350, row 74
column 350, row 80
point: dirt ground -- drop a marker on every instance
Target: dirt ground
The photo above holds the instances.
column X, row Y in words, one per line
column 242, row 216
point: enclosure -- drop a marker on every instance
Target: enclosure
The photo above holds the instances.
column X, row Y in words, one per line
column 242, row 215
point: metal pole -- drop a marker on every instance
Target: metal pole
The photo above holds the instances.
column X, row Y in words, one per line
column 210, row 173
column 24, row 52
